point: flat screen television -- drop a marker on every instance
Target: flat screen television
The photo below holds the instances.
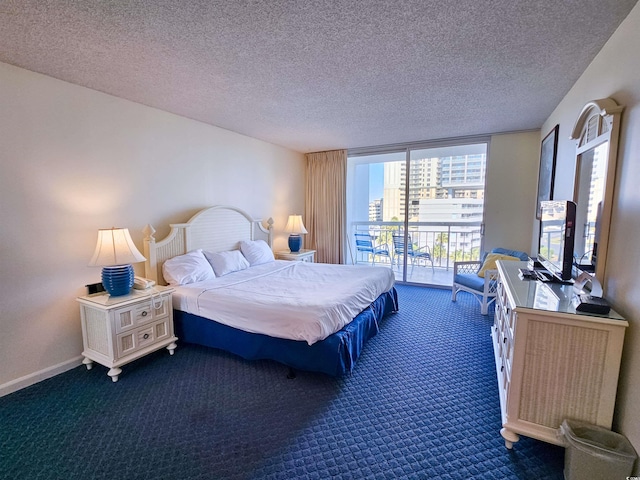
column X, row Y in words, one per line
column 557, row 231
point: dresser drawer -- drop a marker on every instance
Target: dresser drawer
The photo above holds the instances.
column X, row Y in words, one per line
column 507, row 358
column 505, row 378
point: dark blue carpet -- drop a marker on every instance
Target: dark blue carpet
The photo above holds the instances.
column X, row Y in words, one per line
column 421, row 403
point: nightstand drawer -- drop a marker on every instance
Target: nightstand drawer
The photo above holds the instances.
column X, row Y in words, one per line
column 132, row 341
column 132, row 316
column 160, row 306
column 141, row 313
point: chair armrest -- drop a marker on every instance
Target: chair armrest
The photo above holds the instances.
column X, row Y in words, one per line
column 470, row 266
column 491, row 281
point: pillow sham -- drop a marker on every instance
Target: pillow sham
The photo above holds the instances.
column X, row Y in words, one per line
column 490, row 262
column 188, row 268
column 224, row 263
column 256, row 252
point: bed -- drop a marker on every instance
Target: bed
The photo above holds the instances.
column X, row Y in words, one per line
column 289, row 312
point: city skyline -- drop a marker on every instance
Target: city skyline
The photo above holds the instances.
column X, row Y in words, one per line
column 458, row 179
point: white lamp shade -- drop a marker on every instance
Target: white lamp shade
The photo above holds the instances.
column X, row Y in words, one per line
column 115, row 247
column 295, row 225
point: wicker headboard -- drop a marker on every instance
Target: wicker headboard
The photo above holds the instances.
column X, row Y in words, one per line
column 214, row 229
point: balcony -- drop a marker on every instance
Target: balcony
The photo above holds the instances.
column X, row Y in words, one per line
column 447, row 243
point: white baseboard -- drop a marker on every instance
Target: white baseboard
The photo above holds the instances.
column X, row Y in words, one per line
column 33, row 378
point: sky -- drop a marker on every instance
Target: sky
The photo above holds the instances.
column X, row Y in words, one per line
column 376, row 181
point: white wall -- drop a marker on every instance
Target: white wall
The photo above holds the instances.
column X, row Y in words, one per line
column 614, row 73
column 73, row 160
column 511, row 191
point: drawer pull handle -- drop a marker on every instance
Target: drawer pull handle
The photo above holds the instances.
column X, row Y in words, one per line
column 145, row 313
column 145, row 336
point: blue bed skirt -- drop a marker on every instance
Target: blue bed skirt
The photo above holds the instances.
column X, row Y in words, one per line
column 336, row 355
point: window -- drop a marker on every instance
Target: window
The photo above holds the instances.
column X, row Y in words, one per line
column 422, row 190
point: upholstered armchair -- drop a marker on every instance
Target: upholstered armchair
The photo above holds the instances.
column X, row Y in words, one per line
column 471, row 277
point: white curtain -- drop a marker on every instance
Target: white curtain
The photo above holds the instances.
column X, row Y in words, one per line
column 326, row 200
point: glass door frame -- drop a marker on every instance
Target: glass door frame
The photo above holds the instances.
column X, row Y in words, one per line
column 407, row 148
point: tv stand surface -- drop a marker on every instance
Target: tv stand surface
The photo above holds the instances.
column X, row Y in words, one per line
column 551, row 362
column 541, row 275
column 548, row 277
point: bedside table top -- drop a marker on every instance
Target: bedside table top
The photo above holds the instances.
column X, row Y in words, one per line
column 106, row 300
column 301, row 252
column 301, row 256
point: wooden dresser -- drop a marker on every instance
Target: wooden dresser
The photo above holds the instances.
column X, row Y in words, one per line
column 552, row 363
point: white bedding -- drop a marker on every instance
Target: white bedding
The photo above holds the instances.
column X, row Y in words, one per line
column 293, row 300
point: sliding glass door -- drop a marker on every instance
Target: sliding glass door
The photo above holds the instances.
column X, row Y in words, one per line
column 374, row 210
column 416, row 209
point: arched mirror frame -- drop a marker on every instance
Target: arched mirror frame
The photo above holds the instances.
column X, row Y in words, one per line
column 599, row 122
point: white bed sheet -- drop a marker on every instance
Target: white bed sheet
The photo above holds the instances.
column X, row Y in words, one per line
column 292, row 300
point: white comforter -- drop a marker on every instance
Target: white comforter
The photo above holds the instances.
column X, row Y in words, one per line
column 293, row 300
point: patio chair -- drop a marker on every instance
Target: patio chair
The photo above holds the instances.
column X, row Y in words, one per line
column 422, row 254
column 364, row 243
column 469, row 276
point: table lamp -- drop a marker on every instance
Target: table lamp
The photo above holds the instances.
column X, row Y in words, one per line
column 295, row 228
column 115, row 252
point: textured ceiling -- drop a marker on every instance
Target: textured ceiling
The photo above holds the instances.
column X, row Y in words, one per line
column 319, row 75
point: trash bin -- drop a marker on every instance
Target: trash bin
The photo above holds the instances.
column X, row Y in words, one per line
column 594, row 453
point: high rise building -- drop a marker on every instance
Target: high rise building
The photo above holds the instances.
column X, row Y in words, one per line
column 393, row 192
column 375, row 210
column 446, row 177
column 463, row 175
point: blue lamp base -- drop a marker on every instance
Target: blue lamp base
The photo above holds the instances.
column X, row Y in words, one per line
column 295, row 242
column 117, row 280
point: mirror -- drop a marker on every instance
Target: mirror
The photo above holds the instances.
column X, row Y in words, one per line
column 596, row 132
column 589, row 194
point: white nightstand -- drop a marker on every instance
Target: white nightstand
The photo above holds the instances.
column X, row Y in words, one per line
column 119, row 330
column 301, row 256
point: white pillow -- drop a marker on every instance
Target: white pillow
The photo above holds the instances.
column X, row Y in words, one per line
column 256, row 252
column 188, row 268
column 226, row 262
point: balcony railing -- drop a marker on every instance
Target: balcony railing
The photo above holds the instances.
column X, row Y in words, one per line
column 447, row 241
